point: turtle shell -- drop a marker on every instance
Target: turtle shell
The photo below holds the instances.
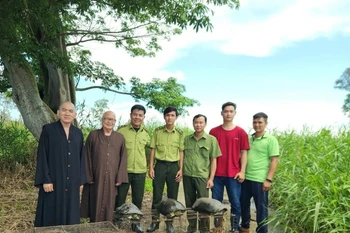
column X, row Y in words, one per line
column 209, row 206
column 171, row 208
column 128, row 210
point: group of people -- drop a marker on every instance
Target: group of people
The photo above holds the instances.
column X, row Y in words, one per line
column 110, row 162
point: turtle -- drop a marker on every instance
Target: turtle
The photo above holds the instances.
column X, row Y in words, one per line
column 171, row 208
column 209, row 206
column 126, row 214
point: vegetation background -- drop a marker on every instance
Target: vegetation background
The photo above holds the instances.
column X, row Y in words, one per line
column 310, row 194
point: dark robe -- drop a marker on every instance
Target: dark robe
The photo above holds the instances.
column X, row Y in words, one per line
column 105, row 166
column 60, row 161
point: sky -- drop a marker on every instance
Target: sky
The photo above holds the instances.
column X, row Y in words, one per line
column 277, row 57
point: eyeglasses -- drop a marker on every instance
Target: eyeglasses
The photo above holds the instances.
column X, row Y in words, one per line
column 108, row 119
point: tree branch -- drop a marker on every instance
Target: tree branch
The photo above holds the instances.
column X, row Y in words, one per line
column 108, row 40
column 84, row 32
column 103, row 88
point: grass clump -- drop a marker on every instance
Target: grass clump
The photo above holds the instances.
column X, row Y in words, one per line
column 312, row 185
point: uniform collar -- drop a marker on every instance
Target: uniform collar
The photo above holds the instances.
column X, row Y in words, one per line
column 142, row 126
column 172, row 131
column 204, row 135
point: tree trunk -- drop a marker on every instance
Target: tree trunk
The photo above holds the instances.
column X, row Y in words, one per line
column 58, row 85
column 25, row 94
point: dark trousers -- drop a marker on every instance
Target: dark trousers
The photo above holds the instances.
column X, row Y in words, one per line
column 254, row 189
column 194, row 188
column 137, row 183
column 164, row 173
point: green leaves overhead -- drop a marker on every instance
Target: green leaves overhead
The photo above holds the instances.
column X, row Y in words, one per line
column 161, row 94
column 41, row 44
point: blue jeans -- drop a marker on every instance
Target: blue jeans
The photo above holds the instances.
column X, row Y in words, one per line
column 233, row 188
column 254, row 189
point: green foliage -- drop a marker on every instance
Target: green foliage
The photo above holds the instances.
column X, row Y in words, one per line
column 90, row 118
column 46, row 36
column 148, row 185
column 161, row 94
column 16, row 144
column 312, row 185
column 343, row 83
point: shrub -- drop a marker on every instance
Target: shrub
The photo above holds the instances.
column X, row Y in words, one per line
column 17, row 144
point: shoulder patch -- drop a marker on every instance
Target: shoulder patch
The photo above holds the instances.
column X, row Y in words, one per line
column 180, row 131
column 159, row 128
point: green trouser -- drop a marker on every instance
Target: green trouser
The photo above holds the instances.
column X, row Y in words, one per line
column 164, row 172
column 194, row 188
column 137, row 183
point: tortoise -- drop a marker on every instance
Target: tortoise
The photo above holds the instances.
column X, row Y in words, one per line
column 209, row 206
column 126, row 214
column 171, row 208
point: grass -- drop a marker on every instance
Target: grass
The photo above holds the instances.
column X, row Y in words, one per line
column 312, row 187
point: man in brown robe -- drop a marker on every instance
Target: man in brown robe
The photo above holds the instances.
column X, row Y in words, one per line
column 105, row 156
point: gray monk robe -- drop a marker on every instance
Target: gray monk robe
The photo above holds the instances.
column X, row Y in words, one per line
column 106, row 165
column 60, row 162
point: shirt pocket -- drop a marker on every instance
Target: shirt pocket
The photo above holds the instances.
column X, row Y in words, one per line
column 174, row 148
column 188, row 150
column 161, row 147
column 129, row 146
column 204, row 153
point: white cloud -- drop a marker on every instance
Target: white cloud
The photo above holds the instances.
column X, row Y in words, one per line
column 258, row 28
column 293, row 22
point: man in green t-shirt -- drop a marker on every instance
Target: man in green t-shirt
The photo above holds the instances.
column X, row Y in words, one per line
column 201, row 151
column 261, row 167
column 167, row 147
column 136, row 141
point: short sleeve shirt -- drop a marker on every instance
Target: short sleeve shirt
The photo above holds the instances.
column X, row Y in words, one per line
column 167, row 144
column 135, row 143
column 231, row 143
column 261, row 149
column 198, row 155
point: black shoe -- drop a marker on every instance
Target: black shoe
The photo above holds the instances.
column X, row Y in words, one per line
column 136, row 227
column 169, row 227
column 152, row 227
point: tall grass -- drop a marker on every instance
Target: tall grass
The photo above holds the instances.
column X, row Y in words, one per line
column 312, row 187
column 16, row 144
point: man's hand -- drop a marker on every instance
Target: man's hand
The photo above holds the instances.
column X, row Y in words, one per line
column 178, row 176
column 117, row 184
column 240, row 177
column 266, row 186
column 151, row 173
column 48, row 187
column 210, row 184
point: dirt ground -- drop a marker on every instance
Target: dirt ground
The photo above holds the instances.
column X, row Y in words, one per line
column 18, row 203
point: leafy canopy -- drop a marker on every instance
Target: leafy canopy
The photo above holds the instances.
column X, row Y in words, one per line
column 41, row 32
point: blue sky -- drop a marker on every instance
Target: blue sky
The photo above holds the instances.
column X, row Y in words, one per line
column 279, row 57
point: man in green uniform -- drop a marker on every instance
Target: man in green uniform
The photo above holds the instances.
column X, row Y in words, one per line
column 201, row 151
column 136, row 140
column 167, row 147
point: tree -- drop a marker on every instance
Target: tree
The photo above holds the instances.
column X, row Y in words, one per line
column 343, row 83
column 43, row 60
